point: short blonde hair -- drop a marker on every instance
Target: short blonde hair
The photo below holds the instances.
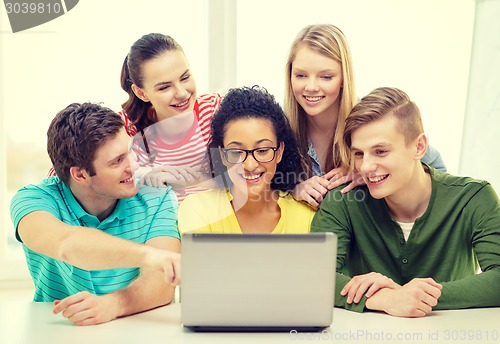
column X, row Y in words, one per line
column 379, row 103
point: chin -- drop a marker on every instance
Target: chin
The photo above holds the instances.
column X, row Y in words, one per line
column 377, row 194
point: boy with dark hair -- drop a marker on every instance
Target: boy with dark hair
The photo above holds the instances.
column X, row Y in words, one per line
column 96, row 243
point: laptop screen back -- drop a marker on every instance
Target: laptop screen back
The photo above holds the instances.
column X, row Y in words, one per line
column 258, row 280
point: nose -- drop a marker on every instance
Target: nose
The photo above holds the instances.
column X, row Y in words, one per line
column 312, row 85
column 250, row 163
column 180, row 92
column 133, row 164
column 367, row 165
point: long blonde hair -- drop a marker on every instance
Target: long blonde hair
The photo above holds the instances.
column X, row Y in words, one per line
column 329, row 41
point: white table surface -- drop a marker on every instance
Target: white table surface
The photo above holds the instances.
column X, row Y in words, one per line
column 28, row 322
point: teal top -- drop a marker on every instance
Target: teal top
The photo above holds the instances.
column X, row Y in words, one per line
column 149, row 214
column 458, row 233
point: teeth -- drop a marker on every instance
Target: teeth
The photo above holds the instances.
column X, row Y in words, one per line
column 313, row 99
column 252, row 177
column 127, row 180
column 377, row 179
column 182, row 104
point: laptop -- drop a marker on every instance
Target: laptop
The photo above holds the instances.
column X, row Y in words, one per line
column 258, row 282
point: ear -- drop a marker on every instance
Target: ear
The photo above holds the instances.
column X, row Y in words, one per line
column 78, row 174
column 279, row 152
column 140, row 93
column 421, row 146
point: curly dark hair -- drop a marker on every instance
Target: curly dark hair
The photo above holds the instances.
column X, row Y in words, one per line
column 255, row 102
column 75, row 135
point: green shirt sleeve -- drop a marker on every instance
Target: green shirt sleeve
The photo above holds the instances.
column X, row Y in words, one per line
column 332, row 216
column 480, row 290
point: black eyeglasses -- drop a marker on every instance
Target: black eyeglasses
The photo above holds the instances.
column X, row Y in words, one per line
column 238, row 156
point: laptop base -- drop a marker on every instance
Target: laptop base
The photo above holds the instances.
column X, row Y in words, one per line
column 255, row 328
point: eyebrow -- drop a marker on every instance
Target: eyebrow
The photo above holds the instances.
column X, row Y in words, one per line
column 258, row 142
column 378, row 145
column 162, row 83
column 328, row 70
column 111, row 161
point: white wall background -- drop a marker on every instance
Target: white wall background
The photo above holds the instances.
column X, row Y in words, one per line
column 420, row 46
column 482, row 116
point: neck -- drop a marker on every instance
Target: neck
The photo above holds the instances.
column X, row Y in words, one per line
column 101, row 207
column 173, row 129
column 325, row 123
column 412, row 201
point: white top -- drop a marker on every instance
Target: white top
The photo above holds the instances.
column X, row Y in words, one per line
column 406, row 227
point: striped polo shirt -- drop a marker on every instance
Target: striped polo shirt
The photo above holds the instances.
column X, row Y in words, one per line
column 152, row 212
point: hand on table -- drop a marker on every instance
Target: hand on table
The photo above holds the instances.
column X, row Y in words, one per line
column 367, row 284
column 414, row 299
column 85, row 309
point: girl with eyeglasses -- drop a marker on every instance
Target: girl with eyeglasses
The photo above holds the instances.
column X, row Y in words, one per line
column 256, row 164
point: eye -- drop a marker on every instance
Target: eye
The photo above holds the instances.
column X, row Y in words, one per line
column 358, row 154
column 299, row 75
column 164, row 88
column 235, row 152
column 381, row 152
column 117, row 161
column 185, row 77
column 235, row 155
column 262, row 151
column 327, row 77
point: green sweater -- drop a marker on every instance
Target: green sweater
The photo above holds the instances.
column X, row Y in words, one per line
column 459, row 232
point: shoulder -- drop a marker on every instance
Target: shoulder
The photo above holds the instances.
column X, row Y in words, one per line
column 47, row 196
column 456, row 192
column 356, row 196
column 50, row 187
column 300, row 208
column 207, row 199
column 207, row 104
column 456, row 184
column 154, row 197
column 213, row 99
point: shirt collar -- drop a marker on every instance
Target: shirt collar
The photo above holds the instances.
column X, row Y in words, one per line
column 118, row 213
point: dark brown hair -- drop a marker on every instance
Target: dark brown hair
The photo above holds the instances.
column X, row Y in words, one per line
column 144, row 49
column 75, row 135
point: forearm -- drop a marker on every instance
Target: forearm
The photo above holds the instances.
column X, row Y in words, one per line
column 91, row 249
column 341, row 301
column 479, row 290
column 148, row 291
column 83, row 247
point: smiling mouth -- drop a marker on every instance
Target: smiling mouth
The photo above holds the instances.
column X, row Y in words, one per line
column 377, row 178
column 182, row 104
column 313, row 99
column 252, row 176
column 127, row 180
